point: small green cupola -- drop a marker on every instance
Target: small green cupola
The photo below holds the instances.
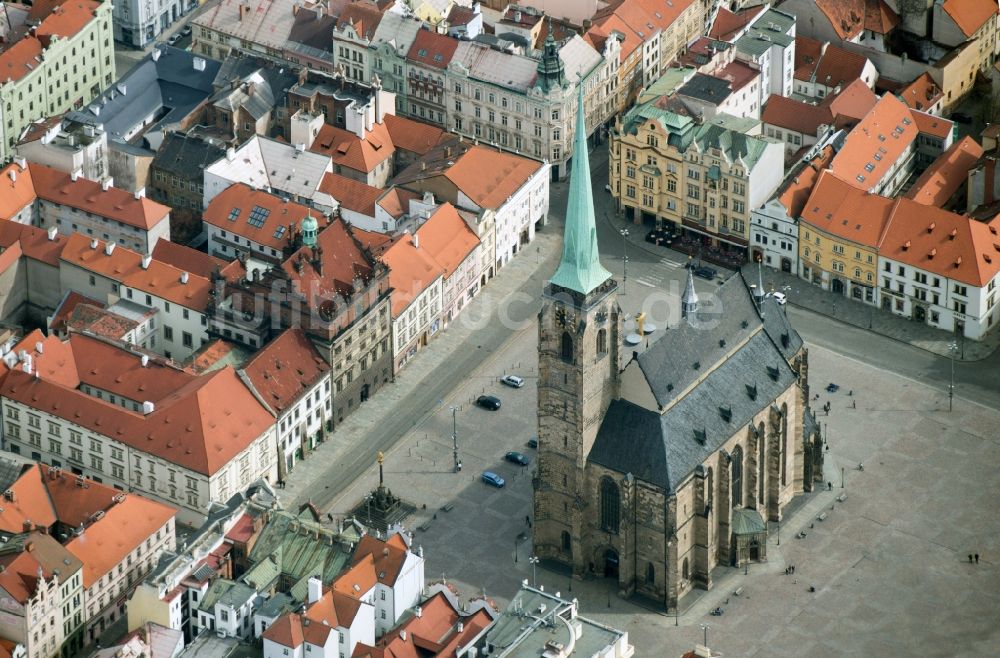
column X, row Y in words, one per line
column 310, row 228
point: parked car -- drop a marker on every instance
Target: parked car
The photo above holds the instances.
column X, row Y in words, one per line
column 778, row 297
column 961, row 117
column 494, row 480
column 533, row 443
column 186, row 31
column 517, row 458
column 488, row 402
column 705, row 272
column 512, row 380
column 173, row 39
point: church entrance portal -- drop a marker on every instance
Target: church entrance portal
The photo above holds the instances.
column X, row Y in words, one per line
column 611, row 563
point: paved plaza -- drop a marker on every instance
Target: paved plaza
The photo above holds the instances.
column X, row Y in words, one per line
column 889, row 563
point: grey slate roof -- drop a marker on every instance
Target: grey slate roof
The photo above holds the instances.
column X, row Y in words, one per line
column 707, row 88
column 780, row 330
column 663, row 449
column 669, row 362
column 767, row 31
column 185, row 156
column 169, row 85
column 276, row 606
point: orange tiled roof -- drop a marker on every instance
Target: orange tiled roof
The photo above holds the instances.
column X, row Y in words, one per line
column 200, row 426
column 794, row 195
column 20, row 59
column 838, row 66
column 447, row 238
column 125, row 266
column 850, row 17
column 932, row 125
column 372, row 239
column 389, row 556
column 31, row 503
column 840, row 209
column 922, row 93
column 435, row 632
column 87, row 195
column 396, row 201
column 348, row 150
column 67, row 19
column 105, row 544
column 432, row 49
column 285, row 369
column 34, row 242
column 945, row 243
column 728, row 24
column 846, row 108
column 342, row 258
column 333, row 609
column 351, row 194
column 413, row 136
column 286, row 631
column 489, row 177
column 65, row 309
column 186, row 258
column 970, row 15
column 876, row 143
column 17, row 189
column 852, row 104
column 234, row 207
column 411, row 271
column 358, row 579
column 42, row 555
column 947, row 173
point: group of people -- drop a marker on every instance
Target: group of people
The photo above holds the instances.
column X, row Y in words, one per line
column 973, row 555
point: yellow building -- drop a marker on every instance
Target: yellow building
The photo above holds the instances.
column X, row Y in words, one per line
column 839, row 233
column 700, row 179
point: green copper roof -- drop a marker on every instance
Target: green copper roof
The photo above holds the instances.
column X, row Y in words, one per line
column 580, row 268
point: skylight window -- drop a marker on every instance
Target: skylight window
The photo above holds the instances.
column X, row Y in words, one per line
column 422, row 52
column 278, row 232
column 257, row 216
column 233, row 214
column 861, row 179
column 906, row 121
column 438, row 57
column 869, row 167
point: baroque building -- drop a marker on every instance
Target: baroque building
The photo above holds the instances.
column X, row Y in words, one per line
column 655, row 467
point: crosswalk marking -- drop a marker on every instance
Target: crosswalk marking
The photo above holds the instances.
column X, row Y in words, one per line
column 669, row 263
column 646, row 283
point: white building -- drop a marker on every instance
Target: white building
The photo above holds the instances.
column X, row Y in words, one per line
column 769, row 45
column 416, row 279
column 227, row 609
column 138, row 423
column 67, row 146
column 301, row 404
column 137, row 23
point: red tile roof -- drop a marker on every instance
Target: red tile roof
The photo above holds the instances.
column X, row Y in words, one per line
column 728, row 24
column 66, row 20
column 389, row 556
column 201, row 425
column 125, row 266
column 840, row 209
column 432, row 49
column 17, row 189
column 396, row 201
column 20, row 59
column 947, row 173
column 233, row 209
column 944, row 243
column 850, row 17
column 922, row 93
column 372, row 239
column 34, row 243
column 413, row 136
column 411, row 271
column 827, row 64
column 434, row 633
column 875, row 144
column 794, row 195
column 65, row 309
column 843, row 109
column 358, row 579
column 342, row 259
column 970, row 15
column 348, row 150
column 447, row 238
column 105, row 544
column 932, row 125
column 186, row 258
column 489, row 177
column 351, row 194
column 87, row 195
column 285, row 369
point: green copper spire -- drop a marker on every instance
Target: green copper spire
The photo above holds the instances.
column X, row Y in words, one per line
column 580, row 268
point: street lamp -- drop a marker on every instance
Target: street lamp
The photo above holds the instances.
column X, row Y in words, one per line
column 533, row 559
column 454, row 439
column 515, row 550
column 952, row 348
column 704, row 628
column 624, row 233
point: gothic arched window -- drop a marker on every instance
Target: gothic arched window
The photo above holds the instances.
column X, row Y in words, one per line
column 602, row 341
column 567, row 347
column 650, row 574
column 684, row 570
column 567, row 543
column 736, row 476
column 610, row 505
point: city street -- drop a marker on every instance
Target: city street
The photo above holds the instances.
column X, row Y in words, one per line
column 883, row 561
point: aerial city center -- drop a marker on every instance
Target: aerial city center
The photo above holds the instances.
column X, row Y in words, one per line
column 467, row 328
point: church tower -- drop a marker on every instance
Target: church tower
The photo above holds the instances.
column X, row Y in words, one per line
column 578, row 369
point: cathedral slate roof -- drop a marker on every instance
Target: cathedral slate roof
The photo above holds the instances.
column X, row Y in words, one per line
column 724, row 319
column 780, row 330
column 663, row 449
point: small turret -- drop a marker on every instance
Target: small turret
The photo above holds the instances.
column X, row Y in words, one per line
column 310, row 228
column 689, row 300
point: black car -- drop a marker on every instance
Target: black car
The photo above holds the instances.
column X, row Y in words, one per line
column 533, row 443
column 961, row 117
column 517, row 458
column 488, row 402
column 705, row 272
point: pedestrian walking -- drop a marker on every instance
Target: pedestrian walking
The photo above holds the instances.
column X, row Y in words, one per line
column 977, row 558
column 970, row 558
column 854, row 404
column 527, row 520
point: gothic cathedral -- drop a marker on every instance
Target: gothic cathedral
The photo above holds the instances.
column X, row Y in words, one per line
column 655, row 467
